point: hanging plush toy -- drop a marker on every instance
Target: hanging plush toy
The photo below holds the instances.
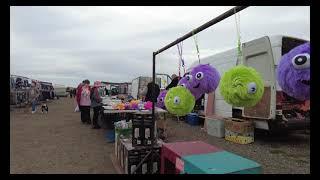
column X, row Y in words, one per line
column 184, row 82
column 242, row 86
column 294, row 72
column 160, row 99
column 179, row 101
column 202, row 79
column 148, row 105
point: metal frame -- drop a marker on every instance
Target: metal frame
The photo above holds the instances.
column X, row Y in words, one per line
column 193, row 32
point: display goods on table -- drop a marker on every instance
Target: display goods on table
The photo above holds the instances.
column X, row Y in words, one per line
column 239, row 131
column 242, row 86
column 293, row 72
column 221, row 162
column 173, row 152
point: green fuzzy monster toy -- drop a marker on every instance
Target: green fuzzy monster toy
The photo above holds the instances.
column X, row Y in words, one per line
column 179, row 101
column 242, row 86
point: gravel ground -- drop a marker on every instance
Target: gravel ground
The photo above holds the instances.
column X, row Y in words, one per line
column 287, row 154
column 58, row 142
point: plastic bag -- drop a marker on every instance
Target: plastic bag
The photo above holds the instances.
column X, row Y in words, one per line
column 77, row 109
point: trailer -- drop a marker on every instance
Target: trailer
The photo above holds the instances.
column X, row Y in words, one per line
column 19, row 88
column 140, row 83
column 276, row 111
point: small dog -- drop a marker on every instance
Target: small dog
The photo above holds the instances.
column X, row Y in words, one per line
column 45, row 108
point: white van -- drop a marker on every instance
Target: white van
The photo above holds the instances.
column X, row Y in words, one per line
column 276, row 110
column 60, row 90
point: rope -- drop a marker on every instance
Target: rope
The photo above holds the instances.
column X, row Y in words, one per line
column 181, row 58
column 237, row 22
column 196, row 43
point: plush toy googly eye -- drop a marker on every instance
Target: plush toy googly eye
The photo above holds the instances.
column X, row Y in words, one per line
column 176, row 100
column 199, row 75
column 189, row 78
column 301, row 61
column 252, row 88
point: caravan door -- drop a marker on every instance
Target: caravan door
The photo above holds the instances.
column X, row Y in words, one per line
column 258, row 54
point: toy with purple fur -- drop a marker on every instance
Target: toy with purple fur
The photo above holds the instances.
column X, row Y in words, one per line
column 160, row 99
column 293, row 72
column 202, row 79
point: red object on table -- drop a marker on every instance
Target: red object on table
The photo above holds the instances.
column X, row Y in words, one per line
column 171, row 151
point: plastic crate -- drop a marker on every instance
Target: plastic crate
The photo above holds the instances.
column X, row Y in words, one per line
column 193, row 119
column 215, row 127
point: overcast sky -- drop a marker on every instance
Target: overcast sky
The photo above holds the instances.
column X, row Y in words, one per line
column 65, row 45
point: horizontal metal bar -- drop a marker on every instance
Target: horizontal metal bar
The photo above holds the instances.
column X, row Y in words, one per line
column 204, row 26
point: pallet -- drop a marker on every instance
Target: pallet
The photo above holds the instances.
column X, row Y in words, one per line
column 116, row 164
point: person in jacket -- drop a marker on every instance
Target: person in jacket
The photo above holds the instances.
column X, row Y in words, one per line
column 96, row 103
column 149, row 94
column 33, row 96
column 174, row 82
column 84, row 102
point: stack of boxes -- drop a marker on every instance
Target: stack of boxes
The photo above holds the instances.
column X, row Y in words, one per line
column 130, row 152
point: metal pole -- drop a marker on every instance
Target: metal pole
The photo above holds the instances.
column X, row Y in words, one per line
column 153, row 88
column 204, row 26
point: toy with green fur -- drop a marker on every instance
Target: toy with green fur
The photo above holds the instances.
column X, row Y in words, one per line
column 179, row 101
column 242, row 86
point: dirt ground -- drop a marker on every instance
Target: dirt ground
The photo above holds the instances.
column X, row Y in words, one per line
column 58, row 142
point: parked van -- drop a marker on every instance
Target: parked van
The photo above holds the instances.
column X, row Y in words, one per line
column 60, row 91
column 276, row 110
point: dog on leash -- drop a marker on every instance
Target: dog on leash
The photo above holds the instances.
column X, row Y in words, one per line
column 44, row 108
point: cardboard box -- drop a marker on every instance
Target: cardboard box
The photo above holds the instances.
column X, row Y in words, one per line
column 239, row 131
column 132, row 156
column 143, row 129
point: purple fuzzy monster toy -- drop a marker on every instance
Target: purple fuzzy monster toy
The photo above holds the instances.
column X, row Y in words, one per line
column 160, row 99
column 184, row 82
column 202, row 79
column 294, row 72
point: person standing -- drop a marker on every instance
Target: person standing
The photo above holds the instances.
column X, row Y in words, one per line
column 174, row 82
column 151, row 95
column 96, row 103
column 84, row 102
column 33, row 96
